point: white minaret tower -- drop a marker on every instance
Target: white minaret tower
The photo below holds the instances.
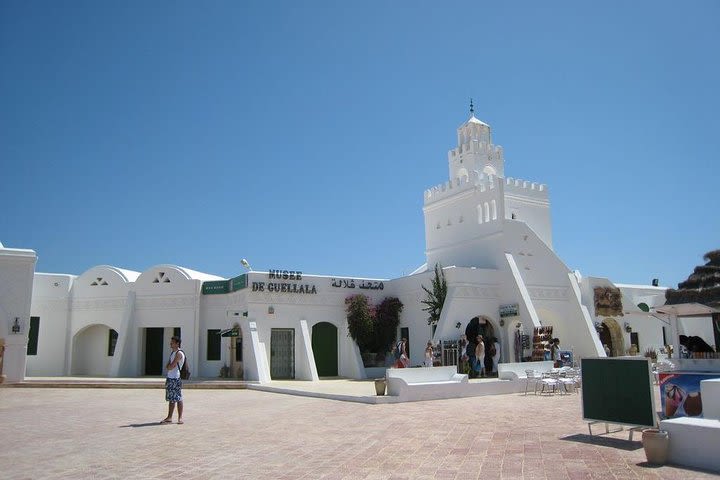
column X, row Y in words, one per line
column 475, row 150
column 465, row 218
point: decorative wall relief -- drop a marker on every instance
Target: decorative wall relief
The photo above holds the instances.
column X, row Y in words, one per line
column 608, row 301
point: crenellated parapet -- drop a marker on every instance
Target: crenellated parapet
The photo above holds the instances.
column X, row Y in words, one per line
column 516, row 186
column 495, row 151
column 475, row 179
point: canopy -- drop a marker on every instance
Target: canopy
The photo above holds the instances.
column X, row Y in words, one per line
column 687, row 310
column 683, row 310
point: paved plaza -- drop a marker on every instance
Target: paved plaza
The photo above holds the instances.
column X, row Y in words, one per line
column 114, row 433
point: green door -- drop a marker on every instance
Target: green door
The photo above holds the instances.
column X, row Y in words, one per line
column 325, row 349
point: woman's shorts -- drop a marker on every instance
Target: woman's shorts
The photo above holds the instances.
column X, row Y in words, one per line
column 173, row 390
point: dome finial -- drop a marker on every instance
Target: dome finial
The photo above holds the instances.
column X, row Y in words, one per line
column 472, row 108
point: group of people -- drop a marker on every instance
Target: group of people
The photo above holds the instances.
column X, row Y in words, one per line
column 479, row 357
column 397, row 356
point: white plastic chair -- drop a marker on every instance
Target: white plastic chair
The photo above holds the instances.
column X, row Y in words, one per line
column 532, row 377
column 551, row 381
column 569, row 379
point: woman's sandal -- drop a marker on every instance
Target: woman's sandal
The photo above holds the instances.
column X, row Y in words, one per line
column 180, row 422
column 165, row 420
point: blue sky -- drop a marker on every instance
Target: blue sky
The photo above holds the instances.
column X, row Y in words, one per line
column 302, row 135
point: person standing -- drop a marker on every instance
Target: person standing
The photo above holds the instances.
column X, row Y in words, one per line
column 173, row 383
column 471, row 349
column 555, row 352
column 403, row 360
column 429, row 355
column 464, row 359
column 480, row 356
column 390, row 357
column 495, row 354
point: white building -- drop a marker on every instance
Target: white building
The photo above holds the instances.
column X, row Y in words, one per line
column 491, row 233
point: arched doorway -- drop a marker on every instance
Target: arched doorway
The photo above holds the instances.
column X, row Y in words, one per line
column 90, row 351
column 325, row 349
column 484, row 326
column 611, row 335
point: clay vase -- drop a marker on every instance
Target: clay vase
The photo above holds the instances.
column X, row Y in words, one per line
column 380, row 384
column 693, row 404
column 656, row 443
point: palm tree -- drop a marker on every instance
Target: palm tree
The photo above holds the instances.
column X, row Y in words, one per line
column 436, row 298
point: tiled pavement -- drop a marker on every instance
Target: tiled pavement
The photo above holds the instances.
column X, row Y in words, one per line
column 113, row 433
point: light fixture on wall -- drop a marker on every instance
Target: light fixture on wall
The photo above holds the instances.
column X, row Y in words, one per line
column 628, row 328
column 16, row 325
column 458, row 325
column 502, row 322
column 246, row 264
column 271, row 310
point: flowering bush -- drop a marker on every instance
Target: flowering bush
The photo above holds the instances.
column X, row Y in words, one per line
column 373, row 328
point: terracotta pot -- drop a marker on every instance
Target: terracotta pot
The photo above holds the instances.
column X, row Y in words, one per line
column 656, row 443
column 380, row 384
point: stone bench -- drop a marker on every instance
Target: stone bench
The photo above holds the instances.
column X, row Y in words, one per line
column 710, row 393
column 400, row 379
column 516, row 371
column 693, row 442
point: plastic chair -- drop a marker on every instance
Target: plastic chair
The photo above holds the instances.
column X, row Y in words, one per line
column 550, row 380
column 532, row 377
column 571, row 379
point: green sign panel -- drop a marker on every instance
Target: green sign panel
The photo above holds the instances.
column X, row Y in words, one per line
column 238, row 283
column 215, row 287
column 230, row 333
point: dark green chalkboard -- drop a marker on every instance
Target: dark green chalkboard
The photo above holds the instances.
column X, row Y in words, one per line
column 618, row 390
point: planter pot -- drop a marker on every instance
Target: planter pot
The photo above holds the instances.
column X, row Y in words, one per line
column 656, row 443
column 380, row 384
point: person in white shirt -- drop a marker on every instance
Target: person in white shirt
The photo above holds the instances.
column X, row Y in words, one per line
column 429, row 355
column 173, row 383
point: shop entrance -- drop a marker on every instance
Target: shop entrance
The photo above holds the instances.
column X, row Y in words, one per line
column 611, row 335
column 154, row 351
column 325, row 349
column 282, row 353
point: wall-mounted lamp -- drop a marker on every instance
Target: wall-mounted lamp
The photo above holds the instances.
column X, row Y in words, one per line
column 628, row 328
column 271, row 310
column 458, row 325
column 16, row 325
column 502, row 322
column 518, row 325
column 245, row 264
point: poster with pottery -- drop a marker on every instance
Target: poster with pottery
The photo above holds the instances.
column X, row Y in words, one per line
column 680, row 393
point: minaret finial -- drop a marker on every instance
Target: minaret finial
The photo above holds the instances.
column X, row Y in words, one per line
column 472, row 108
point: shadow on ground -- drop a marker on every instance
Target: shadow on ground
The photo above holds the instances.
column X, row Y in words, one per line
column 618, row 443
column 137, row 425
